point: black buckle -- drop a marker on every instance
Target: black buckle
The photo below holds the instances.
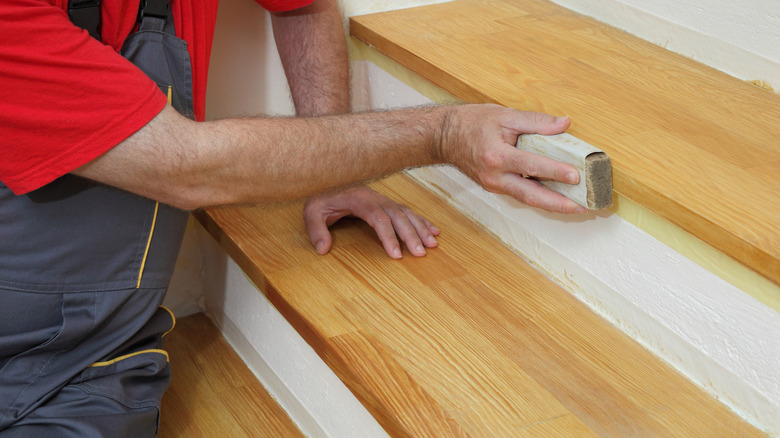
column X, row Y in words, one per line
column 154, row 8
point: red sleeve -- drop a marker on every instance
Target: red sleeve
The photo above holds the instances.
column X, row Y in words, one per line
column 65, row 98
column 283, row 5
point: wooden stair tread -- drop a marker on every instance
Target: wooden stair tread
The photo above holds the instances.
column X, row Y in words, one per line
column 467, row 341
column 690, row 143
column 212, row 392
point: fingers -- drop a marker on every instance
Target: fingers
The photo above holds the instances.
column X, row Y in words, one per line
column 393, row 223
column 518, row 179
column 391, row 220
column 384, row 225
column 534, row 194
column 527, row 122
column 316, row 221
column 530, row 164
column 536, row 166
column 514, row 172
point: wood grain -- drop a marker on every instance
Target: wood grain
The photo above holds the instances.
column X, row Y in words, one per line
column 468, row 341
column 686, row 141
column 212, row 392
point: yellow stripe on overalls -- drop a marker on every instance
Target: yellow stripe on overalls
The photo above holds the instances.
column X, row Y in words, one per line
column 154, row 218
column 126, row 356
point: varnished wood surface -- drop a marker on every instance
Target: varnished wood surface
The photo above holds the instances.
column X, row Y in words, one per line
column 692, row 144
column 212, row 392
column 469, row 341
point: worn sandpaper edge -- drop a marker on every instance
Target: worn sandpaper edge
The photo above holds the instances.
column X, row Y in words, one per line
column 598, row 180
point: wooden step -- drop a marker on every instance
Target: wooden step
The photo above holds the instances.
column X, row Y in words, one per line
column 212, row 392
column 469, row 340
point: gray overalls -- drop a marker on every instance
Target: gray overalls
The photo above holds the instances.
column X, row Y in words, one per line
column 83, row 271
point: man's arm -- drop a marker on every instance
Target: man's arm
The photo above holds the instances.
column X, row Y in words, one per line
column 313, row 49
column 235, row 161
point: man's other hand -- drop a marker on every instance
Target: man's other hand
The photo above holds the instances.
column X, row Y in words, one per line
column 389, row 219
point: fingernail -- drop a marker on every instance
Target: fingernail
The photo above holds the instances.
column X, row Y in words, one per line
column 581, row 210
column 397, row 253
column 420, row 249
column 432, row 240
column 561, row 119
column 320, row 247
column 574, row 177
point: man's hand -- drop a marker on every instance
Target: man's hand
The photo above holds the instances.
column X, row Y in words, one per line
column 480, row 140
column 390, row 220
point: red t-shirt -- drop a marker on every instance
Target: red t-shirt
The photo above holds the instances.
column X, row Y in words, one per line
column 66, row 98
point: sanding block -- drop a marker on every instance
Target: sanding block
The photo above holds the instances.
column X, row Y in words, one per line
column 594, row 191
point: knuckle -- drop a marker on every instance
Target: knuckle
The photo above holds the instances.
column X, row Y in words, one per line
column 399, row 217
column 530, row 199
column 493, row 159
column 311, row 203
column 528, row 164
column 382, row 220
column 539, row 117
column 532, row 168
column 490, row 183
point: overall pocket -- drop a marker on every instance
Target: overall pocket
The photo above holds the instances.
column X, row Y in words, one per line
column 165, row 59
column 69, row 332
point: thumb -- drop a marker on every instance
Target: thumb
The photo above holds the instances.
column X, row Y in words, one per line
column 318, row 232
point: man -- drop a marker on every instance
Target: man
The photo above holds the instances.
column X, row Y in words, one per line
column 99, row 172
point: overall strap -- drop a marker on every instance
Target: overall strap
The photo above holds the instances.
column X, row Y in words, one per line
column 86, row 15
column 155, row 15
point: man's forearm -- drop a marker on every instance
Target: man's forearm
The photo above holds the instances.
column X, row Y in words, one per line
column 231, row 161
column 298, row 157
column 313, row 49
